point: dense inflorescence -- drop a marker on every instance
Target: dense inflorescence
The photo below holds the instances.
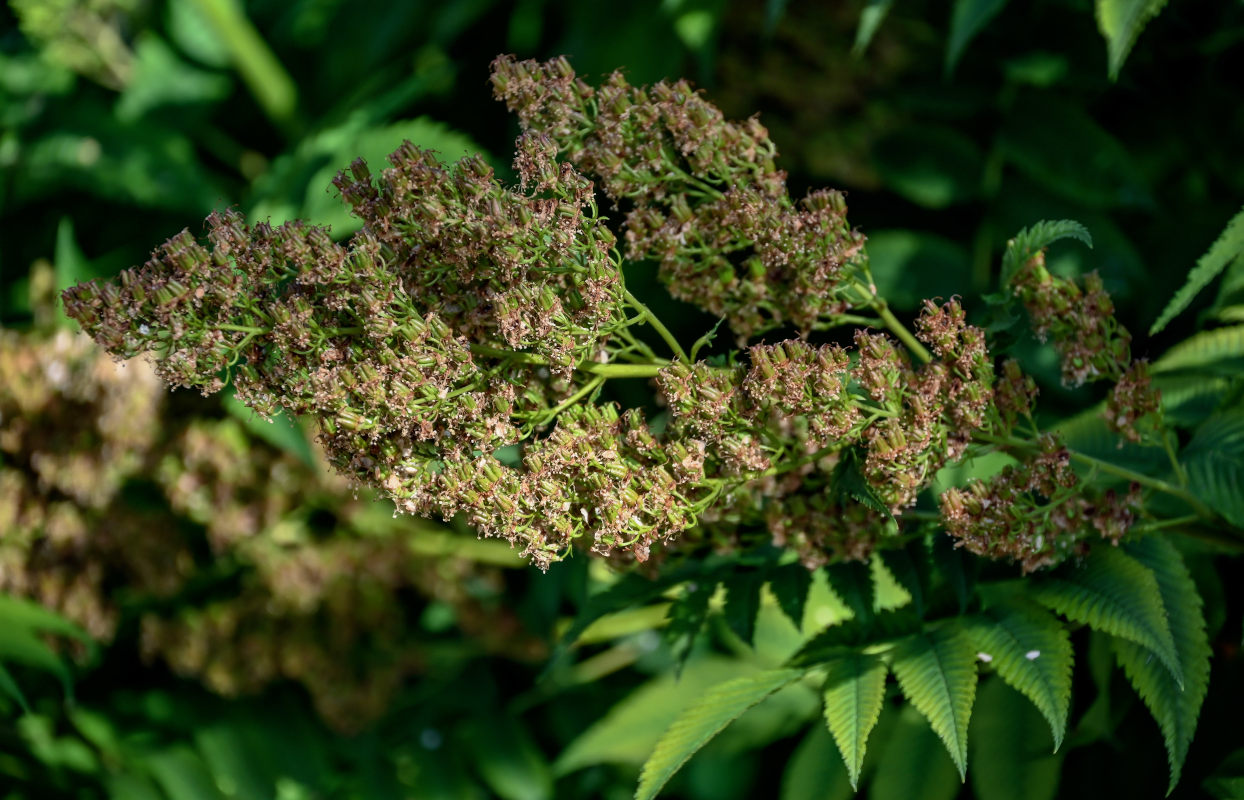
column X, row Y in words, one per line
column 703, row 195
column 453, row 352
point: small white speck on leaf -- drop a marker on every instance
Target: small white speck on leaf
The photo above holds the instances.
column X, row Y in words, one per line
column 1032, row 655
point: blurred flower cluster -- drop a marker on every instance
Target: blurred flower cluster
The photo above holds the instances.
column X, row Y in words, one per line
column 242, row 564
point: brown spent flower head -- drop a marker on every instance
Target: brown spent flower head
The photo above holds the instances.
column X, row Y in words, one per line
column 1092, row 343
column 704, row 197
column 1134, row 406
column 1036, row 513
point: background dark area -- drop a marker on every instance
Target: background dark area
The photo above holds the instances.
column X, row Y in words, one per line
column 940, row 168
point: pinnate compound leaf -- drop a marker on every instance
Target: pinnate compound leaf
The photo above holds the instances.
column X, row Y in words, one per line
column 1031, row 240
column 1121, row 21
column 1174, row 708
column 1113, row 593
column 1030, row 650
column 1221, row 253
column 703, row 720
column 1215, row 461
column 852, row 581
column 854, row 691
column 910, row 567
column 936, row 670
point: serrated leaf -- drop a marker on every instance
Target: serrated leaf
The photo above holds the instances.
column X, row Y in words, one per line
column 1220, row 350
column 703, row 720
column 1120, row 22
column 967, row 18
column 790, row 584
column 937, row 672
column 913, row 765
column 743, row 603
column 853, row 693
column 1011, row 759
column 834, row 642
column 910, row 567
column 1029, row 241
column 1175, row 708
column 1113, row 593
column 852, row 581
column 1007, row 635
column 1215, row 463
column 848, row 483
column 1222, row 252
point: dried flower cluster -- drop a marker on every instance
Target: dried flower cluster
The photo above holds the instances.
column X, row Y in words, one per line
column 466, row 318
column 76, row 429
column 703, row 195
column 1037, row 513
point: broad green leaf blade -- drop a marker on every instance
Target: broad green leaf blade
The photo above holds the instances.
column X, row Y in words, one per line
column 1220, row 351
column 1215, row 462
column 1030, row 240
column 1176, row 709
column 937, row 672
column 1121, row 21
column 968, row 18
column 814, row 771
column 22, row 646
column 1011, row 757
column 854, row 691
column 1030, row 650
column 1116, row 594
column 913, row 765
column 685, row 620
column 1221, row 253
column 509, row 761
column 703, row 720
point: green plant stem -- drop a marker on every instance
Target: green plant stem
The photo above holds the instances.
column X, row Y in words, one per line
column 898, row 329
column 648, row 370
column 1157, row 484
column 657, row 326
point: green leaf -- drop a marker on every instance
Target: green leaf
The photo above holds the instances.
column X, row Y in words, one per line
column 686, row 618
column 1113, row 593
column 1226, row 782
column 1031, row 240
column 854, row 691
column 1174, row 707
column 913, row 765
column 790, row 584
column 703, row 720
column 815, row 771
column 1220, row 351
column 848, row 483
column 833, row 642
column 1121, row 21
column 1222, row 252
column 1215, row 463
column 871, row 17
column 1011, row 759
column 281, row 431
column 852, row 581
column 967, row 18
column 509, row 761
column 1030, row 650
column 910, row 568
column 937, row 672
column 908, row 266
column 10, row 688
column 955, row 571
column 743, row 602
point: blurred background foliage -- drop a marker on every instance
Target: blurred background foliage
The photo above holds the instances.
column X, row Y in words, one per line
column 215, row 616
